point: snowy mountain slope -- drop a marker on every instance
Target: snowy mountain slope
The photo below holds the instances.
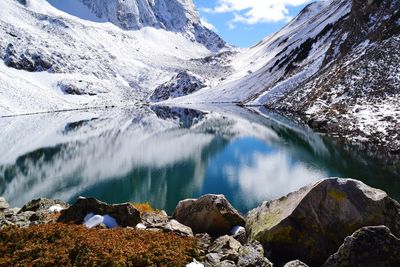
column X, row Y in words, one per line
column 361, row 102
column 264, row 66
column 336, row 65
column 358, row 94
column 53, row 60
column 171, row 15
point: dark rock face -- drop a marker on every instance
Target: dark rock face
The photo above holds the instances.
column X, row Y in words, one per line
column 125, row 214
column 211, row 214
column 369, row 246
column 187, row 117
column 182, row 84
column 28, row 61
column 42, row 204
column 310, row 224
column 358, row 75
column 374, row 20
column 22, row 2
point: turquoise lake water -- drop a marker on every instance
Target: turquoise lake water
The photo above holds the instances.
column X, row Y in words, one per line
column 162, row 155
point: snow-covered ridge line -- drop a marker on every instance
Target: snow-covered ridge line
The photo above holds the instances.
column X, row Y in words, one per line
column 324, row 67
column 284, row 59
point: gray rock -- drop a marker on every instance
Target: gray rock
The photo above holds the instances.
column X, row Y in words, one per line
column 212, row 259
column 33, row 213
column 3, row 204
column 125, row 214
column 226, row 247
column 369, row 246
column 241, row 236
column 295, row 263
column 12, row 218
column 211, row 214
column 177, row 228
column 252, row 254
column 42, row 204
column 160, row 220
column 36, row 61
column 204, row 241
column 155, row 219
column 311, row 224
column 7, row 213
column 227, row 264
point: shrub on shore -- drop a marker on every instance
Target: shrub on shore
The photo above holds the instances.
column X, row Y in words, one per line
column 144, row 207
column 74, row 245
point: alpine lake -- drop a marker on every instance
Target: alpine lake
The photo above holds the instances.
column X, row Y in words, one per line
column 162, row 155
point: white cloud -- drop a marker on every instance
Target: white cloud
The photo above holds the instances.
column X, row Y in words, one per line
column 255, row 11
column 271, row 176
column 208, row 25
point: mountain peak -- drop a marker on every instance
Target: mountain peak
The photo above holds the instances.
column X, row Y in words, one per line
column 171, row 15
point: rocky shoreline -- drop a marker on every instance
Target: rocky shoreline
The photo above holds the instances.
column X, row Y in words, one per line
column 334, row 222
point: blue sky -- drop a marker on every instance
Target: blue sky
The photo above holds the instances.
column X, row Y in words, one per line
column 245, row 22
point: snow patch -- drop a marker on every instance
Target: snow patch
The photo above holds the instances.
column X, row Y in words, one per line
column 56, row 208
column 91, row 220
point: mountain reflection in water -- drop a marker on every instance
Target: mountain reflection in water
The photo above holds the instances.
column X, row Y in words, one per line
column 163, row 154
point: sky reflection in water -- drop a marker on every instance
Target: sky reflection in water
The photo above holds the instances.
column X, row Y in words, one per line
column 162, row 155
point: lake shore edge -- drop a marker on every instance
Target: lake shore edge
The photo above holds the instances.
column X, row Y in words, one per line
column 326, row 223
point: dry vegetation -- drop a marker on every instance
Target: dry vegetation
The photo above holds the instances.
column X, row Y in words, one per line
column 144, row 207
column 74, row 245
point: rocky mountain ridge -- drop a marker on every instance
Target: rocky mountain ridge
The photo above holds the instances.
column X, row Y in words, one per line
column 356, row 93
column 335, row 66
column 171, row 15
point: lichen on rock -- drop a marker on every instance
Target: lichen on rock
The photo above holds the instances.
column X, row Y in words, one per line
column 310, row 224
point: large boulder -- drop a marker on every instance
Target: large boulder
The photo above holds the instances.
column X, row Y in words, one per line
column 211, row 214
column 369, row 246
column 311, row 224
column 125, row 214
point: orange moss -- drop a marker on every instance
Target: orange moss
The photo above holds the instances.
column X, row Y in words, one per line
column 74, row 245
column 143, row 207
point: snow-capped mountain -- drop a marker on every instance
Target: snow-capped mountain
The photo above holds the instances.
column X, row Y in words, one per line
column 356, row 93
column 171, row 15
column 59, row 55
column 281, row 61
column 336, row 65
